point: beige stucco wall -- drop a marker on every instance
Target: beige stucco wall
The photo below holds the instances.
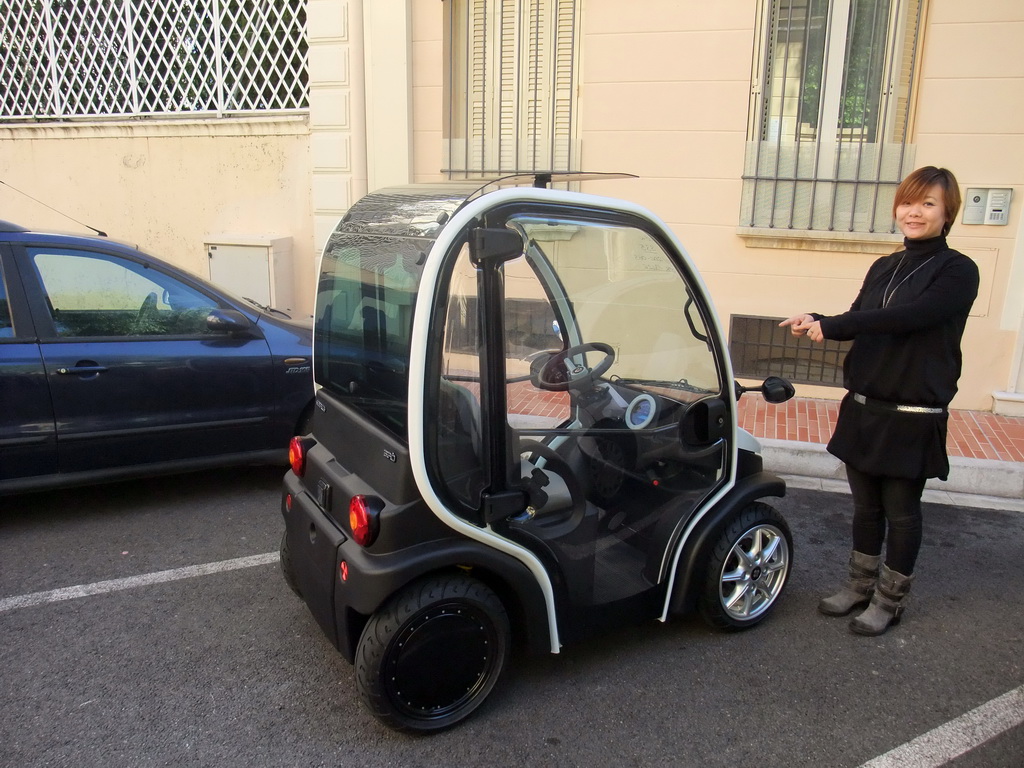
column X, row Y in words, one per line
column 664, row 93
column 971, row 118
column 671, row 105
column 337, row 105
column 428, row 71
column 165, row 186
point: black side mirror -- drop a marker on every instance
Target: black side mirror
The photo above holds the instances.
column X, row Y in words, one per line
column 229, row 321
column 774, row 389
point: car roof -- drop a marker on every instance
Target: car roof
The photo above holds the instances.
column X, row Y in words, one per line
column 15, row 232
column 416, row 210
column 421, row 210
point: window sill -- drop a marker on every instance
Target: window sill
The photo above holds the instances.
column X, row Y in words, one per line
column 808, row 240
column 183, row 126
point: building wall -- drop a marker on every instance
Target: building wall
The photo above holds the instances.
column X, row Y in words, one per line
column 970, row 116
column 165, row 186
column 664, row 94
column 428, row 71
column 337, row 105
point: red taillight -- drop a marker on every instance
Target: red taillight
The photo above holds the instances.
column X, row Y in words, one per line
column 297, row 449
column 364, row 519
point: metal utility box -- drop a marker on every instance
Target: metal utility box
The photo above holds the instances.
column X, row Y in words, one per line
column 257, row 267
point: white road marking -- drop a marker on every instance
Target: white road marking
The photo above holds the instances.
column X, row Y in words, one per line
column 114, row 585
column 956, row 737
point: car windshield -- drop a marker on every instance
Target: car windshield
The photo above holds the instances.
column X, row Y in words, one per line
column 365, row 299
column 619, row 287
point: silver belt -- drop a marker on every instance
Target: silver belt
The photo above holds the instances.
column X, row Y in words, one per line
column 895, row 406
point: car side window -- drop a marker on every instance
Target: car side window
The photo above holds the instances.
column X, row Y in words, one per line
column 99, row 294
column 6, row 325
column 459, row 429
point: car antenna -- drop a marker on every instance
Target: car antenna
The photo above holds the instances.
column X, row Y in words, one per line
column 99, row 232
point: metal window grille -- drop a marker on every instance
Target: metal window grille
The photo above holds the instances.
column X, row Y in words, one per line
column 830, row 99
column 759, row 348
column 510, row 86
column 66, row 59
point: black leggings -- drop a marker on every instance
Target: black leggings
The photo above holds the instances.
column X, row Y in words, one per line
column 878, row 501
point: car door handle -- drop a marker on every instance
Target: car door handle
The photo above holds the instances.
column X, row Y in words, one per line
column 82, row 370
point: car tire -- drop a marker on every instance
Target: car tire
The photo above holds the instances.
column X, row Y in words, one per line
column 432, row 654
column 747, row 569
column 286, row 566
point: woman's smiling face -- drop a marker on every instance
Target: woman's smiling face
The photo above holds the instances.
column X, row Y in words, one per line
column 924, row 218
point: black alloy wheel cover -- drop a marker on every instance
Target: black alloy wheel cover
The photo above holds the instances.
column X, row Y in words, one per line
column 441, row 660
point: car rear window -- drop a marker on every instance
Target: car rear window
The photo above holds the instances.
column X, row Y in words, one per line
column 363, row 321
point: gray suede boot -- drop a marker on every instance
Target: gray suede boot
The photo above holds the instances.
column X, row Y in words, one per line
column 858, row 590
column 886, row 606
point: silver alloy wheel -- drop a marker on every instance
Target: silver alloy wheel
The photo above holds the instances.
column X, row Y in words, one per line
column 754, row 572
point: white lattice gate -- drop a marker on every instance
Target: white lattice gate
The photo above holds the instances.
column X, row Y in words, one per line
column 67, row 59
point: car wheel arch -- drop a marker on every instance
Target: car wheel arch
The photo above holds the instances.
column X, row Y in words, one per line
column 696, row 550
column 520, row 595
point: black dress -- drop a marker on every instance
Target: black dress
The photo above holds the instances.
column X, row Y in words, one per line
column 906, row 325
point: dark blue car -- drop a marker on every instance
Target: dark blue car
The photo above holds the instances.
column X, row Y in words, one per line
column 114, row 364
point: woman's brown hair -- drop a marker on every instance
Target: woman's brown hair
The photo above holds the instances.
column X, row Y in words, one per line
column 917, row 184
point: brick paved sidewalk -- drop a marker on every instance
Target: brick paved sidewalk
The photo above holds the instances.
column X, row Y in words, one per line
column 972, row 434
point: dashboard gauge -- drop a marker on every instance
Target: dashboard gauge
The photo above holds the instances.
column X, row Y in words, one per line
column 641, row 411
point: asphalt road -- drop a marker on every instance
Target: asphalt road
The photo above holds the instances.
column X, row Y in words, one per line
column 228, row 668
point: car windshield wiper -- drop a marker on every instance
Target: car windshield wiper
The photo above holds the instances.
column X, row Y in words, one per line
column 682, row 384
column 270, row 310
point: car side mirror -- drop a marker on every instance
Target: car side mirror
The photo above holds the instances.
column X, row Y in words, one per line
column 229, row 321
column 774, row 389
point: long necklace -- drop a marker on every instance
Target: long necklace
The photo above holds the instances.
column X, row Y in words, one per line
column 887, row 294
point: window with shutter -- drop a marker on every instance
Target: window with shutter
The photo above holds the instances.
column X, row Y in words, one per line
column 511, row 86
column 829, row 114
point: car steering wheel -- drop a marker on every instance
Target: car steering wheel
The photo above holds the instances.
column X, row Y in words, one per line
column 562, row 520
column 571, row 375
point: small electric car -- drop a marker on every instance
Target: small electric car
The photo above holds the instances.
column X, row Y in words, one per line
column 524, row 429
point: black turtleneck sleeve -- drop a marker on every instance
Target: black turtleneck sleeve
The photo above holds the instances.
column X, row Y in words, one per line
column 923, row 301
column 906, row 324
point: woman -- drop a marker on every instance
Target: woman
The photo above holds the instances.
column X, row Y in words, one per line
column 900, row 373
